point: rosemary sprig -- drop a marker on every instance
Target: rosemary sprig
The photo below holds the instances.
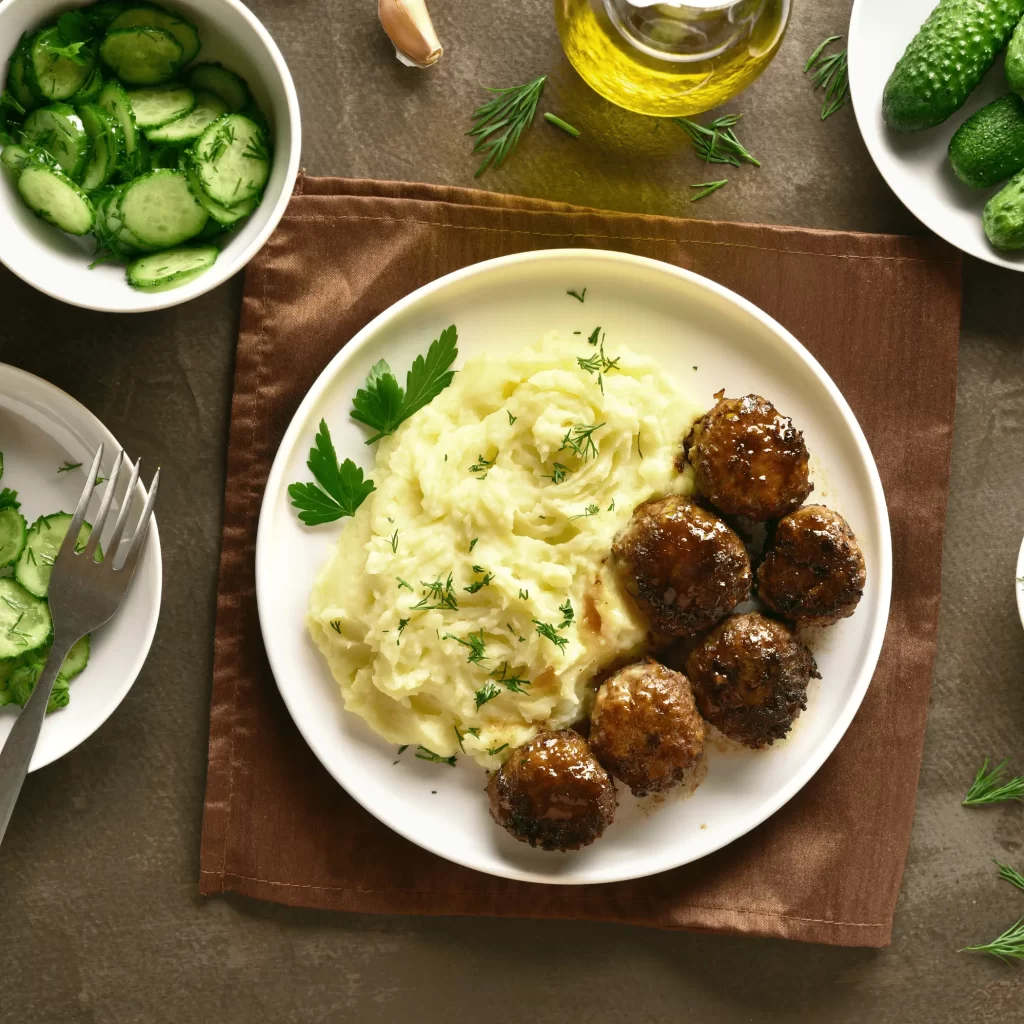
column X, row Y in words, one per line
column 991, row 787
column 707, row 187
column 498, row 124
column 829, row 73
column 717, row 143
column 564, row 125
column 1008, row 874
column 1008, row 946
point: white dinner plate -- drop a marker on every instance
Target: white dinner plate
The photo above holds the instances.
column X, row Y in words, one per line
column 41, row 430
column 683, row 321
column 1019, row 583
column 914, row 163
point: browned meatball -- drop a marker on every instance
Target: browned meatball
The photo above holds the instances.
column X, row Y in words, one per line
column 813, row 573
column 552, row 793
column 645, row 728
column 750, row 678
column 749, row 460
column 684, row 567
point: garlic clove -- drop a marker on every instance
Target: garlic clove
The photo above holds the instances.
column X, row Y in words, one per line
column 409, row 27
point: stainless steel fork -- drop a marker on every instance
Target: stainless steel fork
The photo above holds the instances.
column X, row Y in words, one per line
column 84, row 594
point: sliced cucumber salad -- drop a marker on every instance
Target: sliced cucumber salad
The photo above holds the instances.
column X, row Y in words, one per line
column 27, row 554
column 111, row 124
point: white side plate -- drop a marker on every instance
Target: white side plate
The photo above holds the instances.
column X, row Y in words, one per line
column 914, row 164
column 683, row 321
column 41, row 429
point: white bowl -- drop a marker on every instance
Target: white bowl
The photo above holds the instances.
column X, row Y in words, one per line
column 914, row 164
column 1019, row 583
column 58, row 264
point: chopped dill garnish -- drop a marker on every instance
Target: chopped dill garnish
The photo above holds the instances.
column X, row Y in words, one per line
column 486, row 692
column 491, row 751
column 595, row 334
column 558, row 472
column 611, row 507
column 68, row 466
column 476, row 585
column 440, row 592
column 549, row 632
column 402, row 584
column 591, row 510
column 567, row 614
column 475, row 643
column 579, row 439
column 512, row 682
column 482, row 466
column 423, row 754
column 511, row 418
column 403, row 748
column 524, row 595
column 582, row 296
column 336, row 625
column 394, row 542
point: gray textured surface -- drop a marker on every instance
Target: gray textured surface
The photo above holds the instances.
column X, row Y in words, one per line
column 99, row 914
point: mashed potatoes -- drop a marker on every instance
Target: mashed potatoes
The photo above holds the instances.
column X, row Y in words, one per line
column 469, row 601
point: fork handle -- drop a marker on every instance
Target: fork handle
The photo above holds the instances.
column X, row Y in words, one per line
column 21, row 742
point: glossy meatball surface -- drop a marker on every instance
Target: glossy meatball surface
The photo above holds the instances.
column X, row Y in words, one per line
column 552, row 793
column 813, row 573
column 645, row 728
column 748, row 459
column 749, row 678
column 684, row 567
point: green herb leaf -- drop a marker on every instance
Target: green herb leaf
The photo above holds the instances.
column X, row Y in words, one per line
column 439, row 594
column 549, row 632
column 423, row 754
column 564, row 125
column 830, row 73
column 342, row 487
column 383, row 405
column 475, row 643
column 717, row 143
column 9, row 499
column 1009, row 946
column 510, row 682
column 582, row 296
column 1008, row 874
column 491, row 751
column 486, row 692
column 498, row 124
column 990, row 787
column 707, row 187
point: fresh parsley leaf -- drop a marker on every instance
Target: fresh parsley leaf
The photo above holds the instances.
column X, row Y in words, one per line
column 74, row 26
column 383, row 405
column 342, row 487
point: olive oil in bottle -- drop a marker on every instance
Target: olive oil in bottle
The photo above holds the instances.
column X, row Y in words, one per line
column 670, row 58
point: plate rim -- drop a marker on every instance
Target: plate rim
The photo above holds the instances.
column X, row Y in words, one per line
column 879, row 507
column 907, row 196
column 90, row 419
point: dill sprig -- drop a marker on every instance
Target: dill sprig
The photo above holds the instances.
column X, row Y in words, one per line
column 423, row 754
column 558, row 472
column 579, row 438
column 1008, row 874
column 482, row 466
column 706, row 188
column 476, row 585
column 440, row 592
column 830, row 73
column 475, row 643
column 567, row 614
column 591, row 510
column 549, row 632
column 512, row 682
column 992, row 787
column 498, row 124
column 717, row 143
column 491, row 751
column 579, row 296
column 1008, row 946
column 486, row 692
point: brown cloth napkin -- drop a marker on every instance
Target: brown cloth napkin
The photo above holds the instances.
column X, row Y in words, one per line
column 882, row 315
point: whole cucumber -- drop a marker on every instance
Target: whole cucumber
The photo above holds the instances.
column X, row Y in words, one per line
column 946, row 59
column 1003, row 218
column 989, row 146
column 1015, row 60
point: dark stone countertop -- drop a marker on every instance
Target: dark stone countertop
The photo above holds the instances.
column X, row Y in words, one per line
column 100, row 917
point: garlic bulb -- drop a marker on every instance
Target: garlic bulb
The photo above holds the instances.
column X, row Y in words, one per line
column 409, row 27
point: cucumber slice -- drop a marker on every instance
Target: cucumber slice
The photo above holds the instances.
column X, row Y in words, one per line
column 216, row 78
column 102, row 14
column 52, row 76
column 55, row 198
column 90, row 92
column 156, row 17
column 160, row 104
column 59, row 130
column 17, row 157
column 188, row 128
column 141, row 56
column 25, row 623
column 159, row 209
column 45, row 537
column 77, row 659
column 225, row 216
column 171, row 268
column 111, row 232
column 114, row 100
column 18, row 677
column 232, row 160
column 106, row 150
column 17, row 77
column 13, row 531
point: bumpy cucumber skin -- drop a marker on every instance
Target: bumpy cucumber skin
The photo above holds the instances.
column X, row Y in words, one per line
column 1003, row 218
column 989, row 146
column 1015, row 60
column 947, row 58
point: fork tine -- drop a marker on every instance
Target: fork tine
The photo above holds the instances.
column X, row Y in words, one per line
column 101, row 516
column 132, row 558
column 122, row 518
column 71, row 537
